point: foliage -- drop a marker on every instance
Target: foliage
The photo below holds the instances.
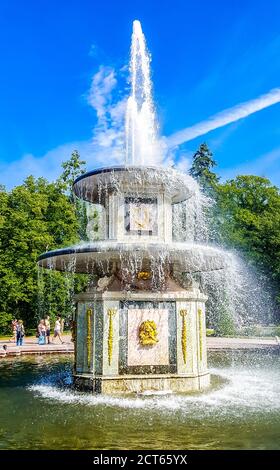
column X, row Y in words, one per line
column 5, row 321
column 201, row 169
column 72, row 168
column 249, row 220
column 210, row 332
column 245, row 216
column 259, row 330
column 250, row 210
column 224, row 324
column 34, row 217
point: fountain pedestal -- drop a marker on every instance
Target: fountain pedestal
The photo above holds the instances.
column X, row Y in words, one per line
column 141, row 341
column 140, row 327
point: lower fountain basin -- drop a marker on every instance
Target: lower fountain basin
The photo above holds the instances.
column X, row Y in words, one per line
column 184, row 257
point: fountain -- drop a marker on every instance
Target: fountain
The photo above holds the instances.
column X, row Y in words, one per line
column 140, row 325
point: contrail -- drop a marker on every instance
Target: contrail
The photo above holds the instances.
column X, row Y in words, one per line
column 225, row 117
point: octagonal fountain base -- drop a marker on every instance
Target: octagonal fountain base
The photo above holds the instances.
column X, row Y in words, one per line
column 141, row 341
column 141, row 383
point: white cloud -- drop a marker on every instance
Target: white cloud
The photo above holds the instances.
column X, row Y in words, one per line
column 105, row 148
column 100, row 94
column 225, row 117
column 108, row 133
column 48, row 165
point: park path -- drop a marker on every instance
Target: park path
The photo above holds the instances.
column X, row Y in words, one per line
column 242, row 343
column 31, row 347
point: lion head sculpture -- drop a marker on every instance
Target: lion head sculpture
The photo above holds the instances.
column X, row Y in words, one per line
column 148, row 333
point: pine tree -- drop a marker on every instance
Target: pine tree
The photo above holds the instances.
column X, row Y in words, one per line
column 201, row 169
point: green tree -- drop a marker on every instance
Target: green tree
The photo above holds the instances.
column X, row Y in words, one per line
column 72, row 168
column 5, row 316
column 249, row 220
column 34, row 217
column 201, row 169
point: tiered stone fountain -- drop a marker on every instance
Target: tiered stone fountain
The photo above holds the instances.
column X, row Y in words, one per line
column 140, row 326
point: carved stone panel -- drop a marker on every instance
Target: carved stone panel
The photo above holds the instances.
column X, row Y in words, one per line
column 148, row 337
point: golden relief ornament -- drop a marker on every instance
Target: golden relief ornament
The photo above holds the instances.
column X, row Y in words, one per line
column 73, row 328
column 144, row 275
column 183, row 314
column 148, row 333
column 111, row 313
column 140, row 217
column 89, row 314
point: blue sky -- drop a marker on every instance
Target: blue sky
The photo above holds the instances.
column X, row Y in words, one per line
column 207, row 56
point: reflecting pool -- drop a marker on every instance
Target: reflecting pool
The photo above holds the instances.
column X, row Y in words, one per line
column 40, row 410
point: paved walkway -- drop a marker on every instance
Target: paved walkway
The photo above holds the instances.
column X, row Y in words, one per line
column 242, row 343
column 32, row 347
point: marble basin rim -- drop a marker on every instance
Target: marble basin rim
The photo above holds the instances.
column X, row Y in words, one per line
column 186, row 257
column 93, row 185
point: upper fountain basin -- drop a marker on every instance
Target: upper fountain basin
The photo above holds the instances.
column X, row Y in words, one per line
column 184, row 257
column 95, row 185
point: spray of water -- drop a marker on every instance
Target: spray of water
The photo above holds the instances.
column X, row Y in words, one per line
column 142, row 144
column 238, row 289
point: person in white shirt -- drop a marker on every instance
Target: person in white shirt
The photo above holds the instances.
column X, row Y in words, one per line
column 57, row 330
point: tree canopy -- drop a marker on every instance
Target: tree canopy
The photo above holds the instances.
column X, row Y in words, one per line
column 245, row 215
column 34, row 217
column 250, row 219
column 72, row 168
column 201, row 168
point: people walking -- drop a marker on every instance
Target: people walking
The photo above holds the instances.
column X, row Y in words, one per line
column 57, row 330
column 48, row 329
column 42, row 332
column 14, row 330
column 20, row 332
